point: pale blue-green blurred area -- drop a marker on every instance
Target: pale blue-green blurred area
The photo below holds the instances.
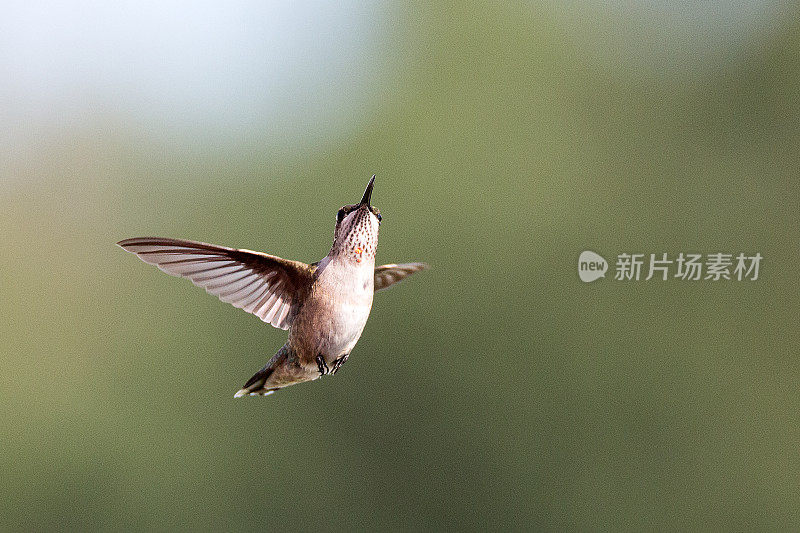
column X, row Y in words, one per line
column 495, row 390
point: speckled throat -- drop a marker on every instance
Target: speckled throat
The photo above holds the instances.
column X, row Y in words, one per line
column 357, row 237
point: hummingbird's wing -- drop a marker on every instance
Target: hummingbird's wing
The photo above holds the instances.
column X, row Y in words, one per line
column 264, row 285
column 387, row 275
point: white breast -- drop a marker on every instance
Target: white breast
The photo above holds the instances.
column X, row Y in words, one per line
column 344, row 300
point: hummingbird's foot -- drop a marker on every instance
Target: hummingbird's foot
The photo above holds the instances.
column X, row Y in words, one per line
column 322, row 366
column 339, row 362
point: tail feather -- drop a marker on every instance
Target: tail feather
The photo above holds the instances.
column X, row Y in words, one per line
column 245, row 392
column 283, row 370
column 255, row 385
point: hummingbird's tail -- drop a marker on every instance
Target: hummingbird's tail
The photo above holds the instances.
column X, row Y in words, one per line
column 281, row 371
column 255, row 385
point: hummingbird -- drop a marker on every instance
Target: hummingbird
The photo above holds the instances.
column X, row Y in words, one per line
column 324, row 305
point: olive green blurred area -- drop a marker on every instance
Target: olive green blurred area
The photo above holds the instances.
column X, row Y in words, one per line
column 494, row 391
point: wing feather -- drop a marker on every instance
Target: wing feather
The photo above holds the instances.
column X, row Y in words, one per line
column 264, row 285
column 387, row 275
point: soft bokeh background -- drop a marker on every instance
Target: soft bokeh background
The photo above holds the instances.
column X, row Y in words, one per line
column 495, row 390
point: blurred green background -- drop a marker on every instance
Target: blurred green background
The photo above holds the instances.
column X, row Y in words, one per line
column 495, row 390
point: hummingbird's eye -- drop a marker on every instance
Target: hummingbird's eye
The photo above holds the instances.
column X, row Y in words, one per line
column 340, row 215
column 379, row 216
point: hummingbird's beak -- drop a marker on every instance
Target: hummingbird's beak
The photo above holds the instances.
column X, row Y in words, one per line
column 368, row 193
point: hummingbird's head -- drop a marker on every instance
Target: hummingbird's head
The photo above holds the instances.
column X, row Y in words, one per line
column 356, row 234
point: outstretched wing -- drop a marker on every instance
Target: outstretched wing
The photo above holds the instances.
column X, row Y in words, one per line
column 387, row 275
column 261, row 284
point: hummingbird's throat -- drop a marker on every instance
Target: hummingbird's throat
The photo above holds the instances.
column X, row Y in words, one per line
column 357, row 237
